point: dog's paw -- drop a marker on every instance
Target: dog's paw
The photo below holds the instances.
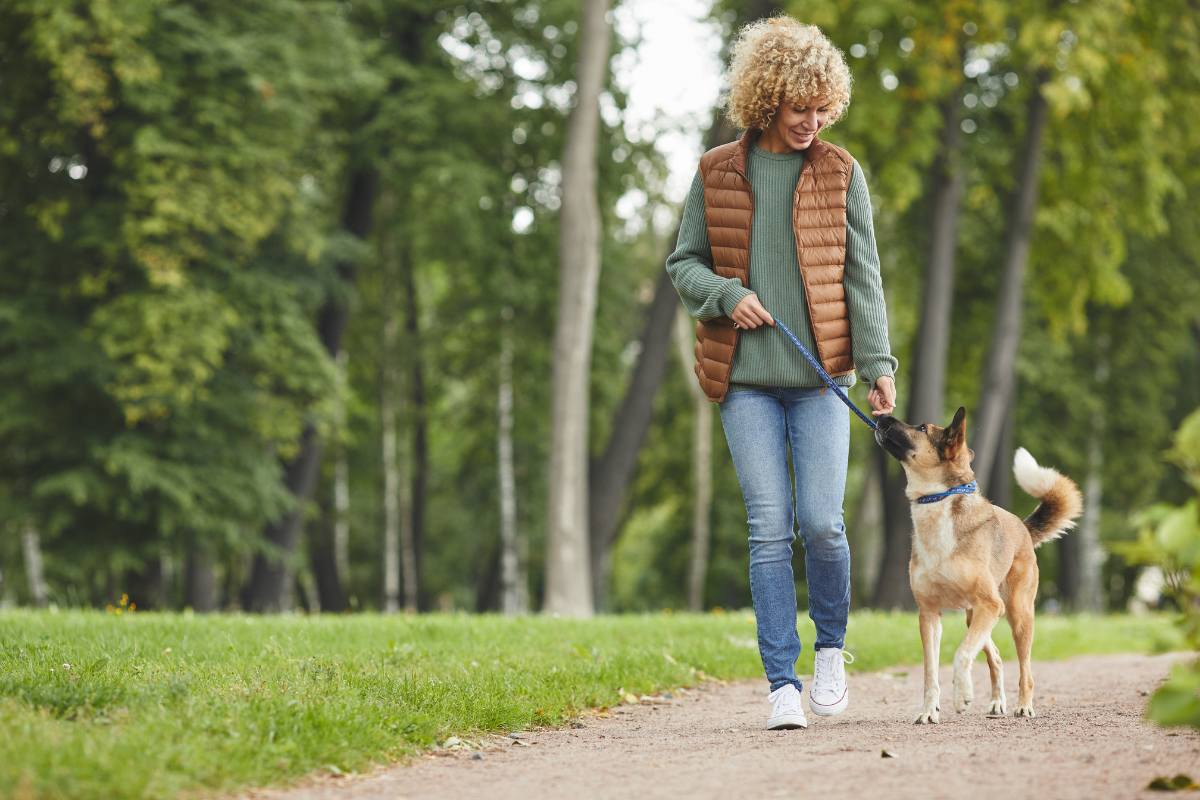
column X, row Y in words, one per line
column 928, row 717
column 964, row 692
column 1024, row 711
column 997, row 709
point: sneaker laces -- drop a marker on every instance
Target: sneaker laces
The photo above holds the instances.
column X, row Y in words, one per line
column 820, row 661
column 787, row 702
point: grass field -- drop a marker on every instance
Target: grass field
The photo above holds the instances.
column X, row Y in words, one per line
column 150, row 705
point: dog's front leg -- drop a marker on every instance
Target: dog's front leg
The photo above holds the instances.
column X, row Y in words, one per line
column 980, row 620
column 931, row 642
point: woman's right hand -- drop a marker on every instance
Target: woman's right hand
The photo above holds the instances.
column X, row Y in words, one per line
column 749, row 313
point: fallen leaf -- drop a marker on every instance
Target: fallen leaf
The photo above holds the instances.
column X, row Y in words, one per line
column 1179, row 783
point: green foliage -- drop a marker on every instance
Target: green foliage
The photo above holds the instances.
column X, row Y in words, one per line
column 173, row 179
column 164, row 257
column 1170, row 538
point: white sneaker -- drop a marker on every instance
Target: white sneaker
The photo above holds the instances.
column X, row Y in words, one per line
column 786, row 709
column 829, row 694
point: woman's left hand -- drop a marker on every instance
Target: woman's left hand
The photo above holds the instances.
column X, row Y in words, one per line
column 882, row 396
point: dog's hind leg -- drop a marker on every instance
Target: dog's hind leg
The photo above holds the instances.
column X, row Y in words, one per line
column 983, row 617
column 996, row 668
column 931, row 643
column 1020, row 618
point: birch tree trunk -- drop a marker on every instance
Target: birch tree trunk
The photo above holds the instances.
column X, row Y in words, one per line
column 341, row 516
column 512, row 573
column 412, row 503
column 1091, row 555
column 568, row 562
column 341, row 490
column 1000, row 372
column 387, row 413
column 702, row 491
column 1081, row 558
column 31, row 547
column 391, row 474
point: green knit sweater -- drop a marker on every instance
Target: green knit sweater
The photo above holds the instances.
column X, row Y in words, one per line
column 764, row 356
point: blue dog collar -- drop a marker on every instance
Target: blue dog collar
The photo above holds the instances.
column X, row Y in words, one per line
column 966, row 488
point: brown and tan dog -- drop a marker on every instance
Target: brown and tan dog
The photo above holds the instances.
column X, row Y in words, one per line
column 970, row 554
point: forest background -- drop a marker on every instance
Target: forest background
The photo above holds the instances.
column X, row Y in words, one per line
column 298, row 307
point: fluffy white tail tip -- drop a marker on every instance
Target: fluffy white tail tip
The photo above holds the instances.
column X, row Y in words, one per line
column 1033, row 478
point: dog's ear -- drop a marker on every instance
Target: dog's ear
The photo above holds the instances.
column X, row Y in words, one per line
column 955, row 437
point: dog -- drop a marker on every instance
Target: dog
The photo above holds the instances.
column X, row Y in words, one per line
column 968, row 553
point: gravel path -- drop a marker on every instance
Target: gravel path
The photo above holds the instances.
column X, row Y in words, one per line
column 1088, row 741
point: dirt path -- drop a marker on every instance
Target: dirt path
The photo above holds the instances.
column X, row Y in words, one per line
column 1088, row 741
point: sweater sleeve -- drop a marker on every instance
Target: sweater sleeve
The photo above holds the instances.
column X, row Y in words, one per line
column 704, row 293
column 864, row 287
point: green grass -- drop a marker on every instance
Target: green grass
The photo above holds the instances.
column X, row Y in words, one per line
column 154, row 705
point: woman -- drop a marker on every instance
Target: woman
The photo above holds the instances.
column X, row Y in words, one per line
column 778, row 224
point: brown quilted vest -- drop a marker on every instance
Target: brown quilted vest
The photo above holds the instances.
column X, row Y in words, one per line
column 819, row 218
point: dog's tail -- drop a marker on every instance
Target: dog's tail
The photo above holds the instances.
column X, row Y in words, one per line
column 1061, row 503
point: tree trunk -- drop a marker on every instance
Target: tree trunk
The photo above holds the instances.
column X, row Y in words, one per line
column 702, row 489
column 928, row 390
column 387, row 411
column 329, row 534
column 306, row 590
column 611, row 474
column 329, row 586
column 1000, row 372
column 342, row 518
column 6, row 600
column 200, row 579
column 391, row 478
column 1090, row 596
column 1081, row 559
column 31, row 547
column 514, row 597
column 487, row 580
column 412, row 524
column 271, row 579
column 866, row 535
column 928, row 386
column 999, row 487
column 891, row 588
column 568, row 549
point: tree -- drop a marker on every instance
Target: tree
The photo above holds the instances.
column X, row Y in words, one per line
column 568, row 571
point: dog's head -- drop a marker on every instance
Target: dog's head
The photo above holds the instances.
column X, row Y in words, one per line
column 929, row 453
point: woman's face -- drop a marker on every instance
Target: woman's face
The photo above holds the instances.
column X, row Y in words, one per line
column 796, row 122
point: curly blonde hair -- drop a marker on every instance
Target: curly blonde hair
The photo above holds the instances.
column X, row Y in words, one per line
column 780, row 58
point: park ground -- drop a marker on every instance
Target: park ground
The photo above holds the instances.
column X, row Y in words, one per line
column 1088, row 741
column 137, row 705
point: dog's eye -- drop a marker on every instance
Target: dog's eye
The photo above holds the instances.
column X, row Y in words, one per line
column 921, row 428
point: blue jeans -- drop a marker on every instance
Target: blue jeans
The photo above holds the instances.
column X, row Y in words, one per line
column 762, row 424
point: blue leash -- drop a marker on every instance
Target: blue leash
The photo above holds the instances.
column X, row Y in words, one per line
column 825, row 375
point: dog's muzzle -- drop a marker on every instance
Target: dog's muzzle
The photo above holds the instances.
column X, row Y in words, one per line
column 891, row 438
